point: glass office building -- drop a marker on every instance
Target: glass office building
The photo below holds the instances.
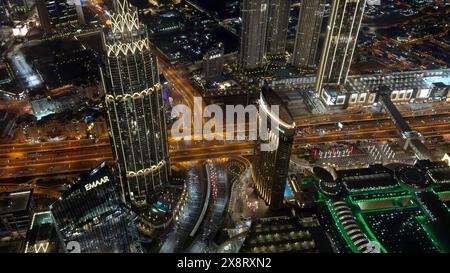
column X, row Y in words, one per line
column 92, row 215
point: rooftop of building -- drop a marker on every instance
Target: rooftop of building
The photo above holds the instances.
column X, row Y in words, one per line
column 373, row 177
column 42, row 235
column 11, row 202
column 405, row 80
column 421, row 79
column 285, row 234
column 439, row 172
column 272, row 98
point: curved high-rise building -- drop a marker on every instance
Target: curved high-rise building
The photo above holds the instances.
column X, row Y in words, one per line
column 135, row 106
column 270, row 166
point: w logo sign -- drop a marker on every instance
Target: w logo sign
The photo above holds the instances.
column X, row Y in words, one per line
column 41, row 247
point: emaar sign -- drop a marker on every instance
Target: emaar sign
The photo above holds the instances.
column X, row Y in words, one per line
column 96, row 183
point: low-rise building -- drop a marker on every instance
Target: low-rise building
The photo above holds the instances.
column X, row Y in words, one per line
column 16, row 209
column 7, row 123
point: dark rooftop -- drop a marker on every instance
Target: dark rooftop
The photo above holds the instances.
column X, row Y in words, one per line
column 14, row 201
column 42, row 231
column 439, row 172
column 440, row 217
column 412, row 176
column 373, row 177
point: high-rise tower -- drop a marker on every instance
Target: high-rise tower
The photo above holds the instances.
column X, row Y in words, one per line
column 270, row 166
column 56, row 14
column 277, row 27
column 213, row 62
column 253, row 33
column 61, row 12
column 44, row 16
column 135, row 106
column 340, row 42
column 309, row 27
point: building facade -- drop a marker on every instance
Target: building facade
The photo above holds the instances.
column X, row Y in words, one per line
column 340, row 42
column 56, row 14
column 213, row 62
column 11, row 10
column 270, row 166
column 277, row 27
column 252, row 51
column 44, row 16
column 135, row 106
column 306, row 47
column 62, row 13
column 92, row 215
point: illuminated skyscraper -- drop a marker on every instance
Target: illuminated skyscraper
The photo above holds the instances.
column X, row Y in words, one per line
column 309, row 27
column 135, row 106
column 270, row 166
column 277, row 27
column 253, row 33
column 340, row 42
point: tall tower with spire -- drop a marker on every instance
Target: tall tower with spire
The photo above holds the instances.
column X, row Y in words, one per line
column 135, row 106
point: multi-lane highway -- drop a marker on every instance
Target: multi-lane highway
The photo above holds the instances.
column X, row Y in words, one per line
column 18, row 160
column 441, row 109
column 427, row 130
column 182, row 86
column 429, row 126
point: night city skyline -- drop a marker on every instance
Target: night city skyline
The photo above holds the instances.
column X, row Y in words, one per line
column 228, row 127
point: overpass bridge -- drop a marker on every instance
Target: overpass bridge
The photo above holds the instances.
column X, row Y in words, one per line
column 411, row 139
